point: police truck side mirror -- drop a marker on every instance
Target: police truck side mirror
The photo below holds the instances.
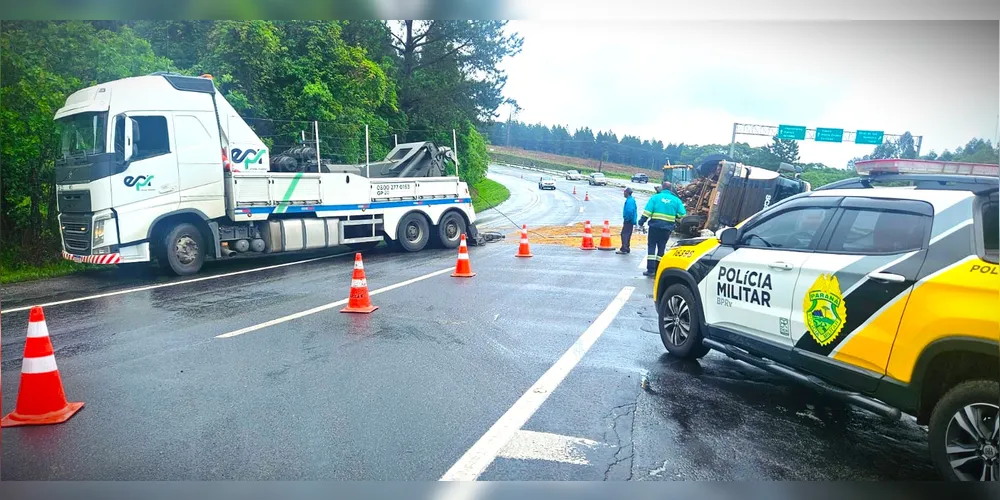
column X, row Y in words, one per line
column 728, row 236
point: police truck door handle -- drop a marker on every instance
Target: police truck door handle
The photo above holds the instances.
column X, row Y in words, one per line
column 887, row 277
column 784, row 266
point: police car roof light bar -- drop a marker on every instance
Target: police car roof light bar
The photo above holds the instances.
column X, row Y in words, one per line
column 902, row 166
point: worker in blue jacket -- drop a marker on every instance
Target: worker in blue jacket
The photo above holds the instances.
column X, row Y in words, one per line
column 628, row 214
column 662, row 212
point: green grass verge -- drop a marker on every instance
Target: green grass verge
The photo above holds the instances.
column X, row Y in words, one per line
column 14, row 273
column 487, row 193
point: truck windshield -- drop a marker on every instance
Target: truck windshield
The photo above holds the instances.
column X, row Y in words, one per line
column 83, row 134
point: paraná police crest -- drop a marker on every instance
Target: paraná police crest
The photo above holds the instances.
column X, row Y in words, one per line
column 825, row 312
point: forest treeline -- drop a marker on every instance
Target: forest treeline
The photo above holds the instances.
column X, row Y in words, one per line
column 653, row 154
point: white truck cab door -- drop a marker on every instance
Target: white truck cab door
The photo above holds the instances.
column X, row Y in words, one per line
column 750, row 290
column 147, row 183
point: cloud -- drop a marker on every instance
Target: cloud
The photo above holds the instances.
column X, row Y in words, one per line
column 689, row 81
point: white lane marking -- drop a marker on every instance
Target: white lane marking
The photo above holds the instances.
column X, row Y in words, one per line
column 486, row 449
column 325, row 307
column 531, row 445
column 571, row 224
column 581, row 210
column 176, row 283
column 642, row 262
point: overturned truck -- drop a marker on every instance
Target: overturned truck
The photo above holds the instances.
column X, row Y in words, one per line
column 725, row 193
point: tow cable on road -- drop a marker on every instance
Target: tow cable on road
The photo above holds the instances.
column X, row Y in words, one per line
column 491, row 236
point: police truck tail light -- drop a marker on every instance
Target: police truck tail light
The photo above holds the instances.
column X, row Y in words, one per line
column 868, row 167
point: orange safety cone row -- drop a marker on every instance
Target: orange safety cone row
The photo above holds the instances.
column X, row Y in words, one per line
column 586, row 196
column 463, row 269
column 606, row 238
column 588, row 237
column 359, row 301
column 40, row 398
column 524, row 250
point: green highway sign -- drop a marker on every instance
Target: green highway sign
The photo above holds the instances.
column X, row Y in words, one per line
column 868, row 137
column 794, row 132
column 829, row 134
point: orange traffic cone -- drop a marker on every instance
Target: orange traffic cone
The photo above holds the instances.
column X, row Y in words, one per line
column 606, row 238
column 574, row 189
column 463, row 269
column 359, row 302
column 524, row 250
column 588, row 237
column 40, row 399
column 586, row 196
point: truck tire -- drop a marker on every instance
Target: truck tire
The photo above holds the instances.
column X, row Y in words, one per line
column 450, row 230
column 183, row 251
column 413, row 232
column 954, row 415
column 679, row 320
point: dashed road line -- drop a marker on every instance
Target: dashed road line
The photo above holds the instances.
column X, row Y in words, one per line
column 175, row 283
column 326, row 307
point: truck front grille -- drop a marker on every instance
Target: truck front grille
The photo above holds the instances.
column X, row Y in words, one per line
column 76, row 233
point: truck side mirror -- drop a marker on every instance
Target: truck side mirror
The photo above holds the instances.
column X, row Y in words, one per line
column 728, row 236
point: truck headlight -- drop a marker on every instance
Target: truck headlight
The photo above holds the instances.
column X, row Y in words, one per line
column 99, row 232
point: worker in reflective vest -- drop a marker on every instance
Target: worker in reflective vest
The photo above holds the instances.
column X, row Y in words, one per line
column 662, row 212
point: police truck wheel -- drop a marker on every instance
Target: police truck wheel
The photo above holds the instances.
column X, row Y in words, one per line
column 413, row 233
column 680, row 323
column 964, row 432
column 450, row 230
column 183, row 250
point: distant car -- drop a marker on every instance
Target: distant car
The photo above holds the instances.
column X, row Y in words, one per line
column 640, row 178
column 546, row 182
column 597, row 179
column 574, row 175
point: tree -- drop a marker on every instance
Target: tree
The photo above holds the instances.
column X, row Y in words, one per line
column 785, row 150
column 449, row 69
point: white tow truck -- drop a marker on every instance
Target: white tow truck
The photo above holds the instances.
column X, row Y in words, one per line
column 162, row 168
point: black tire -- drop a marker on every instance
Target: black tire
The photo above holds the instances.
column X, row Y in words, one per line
column 450, row 230
column 945, row 430
column 413, row 232
column 183, row 250
column 679, row 321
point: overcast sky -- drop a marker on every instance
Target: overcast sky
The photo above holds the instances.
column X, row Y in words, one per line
column 689, row 81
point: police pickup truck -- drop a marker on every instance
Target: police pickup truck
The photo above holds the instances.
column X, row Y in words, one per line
column 881, row 290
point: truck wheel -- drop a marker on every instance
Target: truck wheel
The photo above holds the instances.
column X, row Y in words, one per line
column 680, row 323
column 450, row 230
column 413, row 232
column 183, row 250
column 964, row 432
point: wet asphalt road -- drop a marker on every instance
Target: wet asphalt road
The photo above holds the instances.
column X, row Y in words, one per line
column 402, row 393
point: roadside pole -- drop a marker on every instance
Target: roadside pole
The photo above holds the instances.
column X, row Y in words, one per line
column 367, row 173
column 732, row 142
column 454, row 144
column 316, row 131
